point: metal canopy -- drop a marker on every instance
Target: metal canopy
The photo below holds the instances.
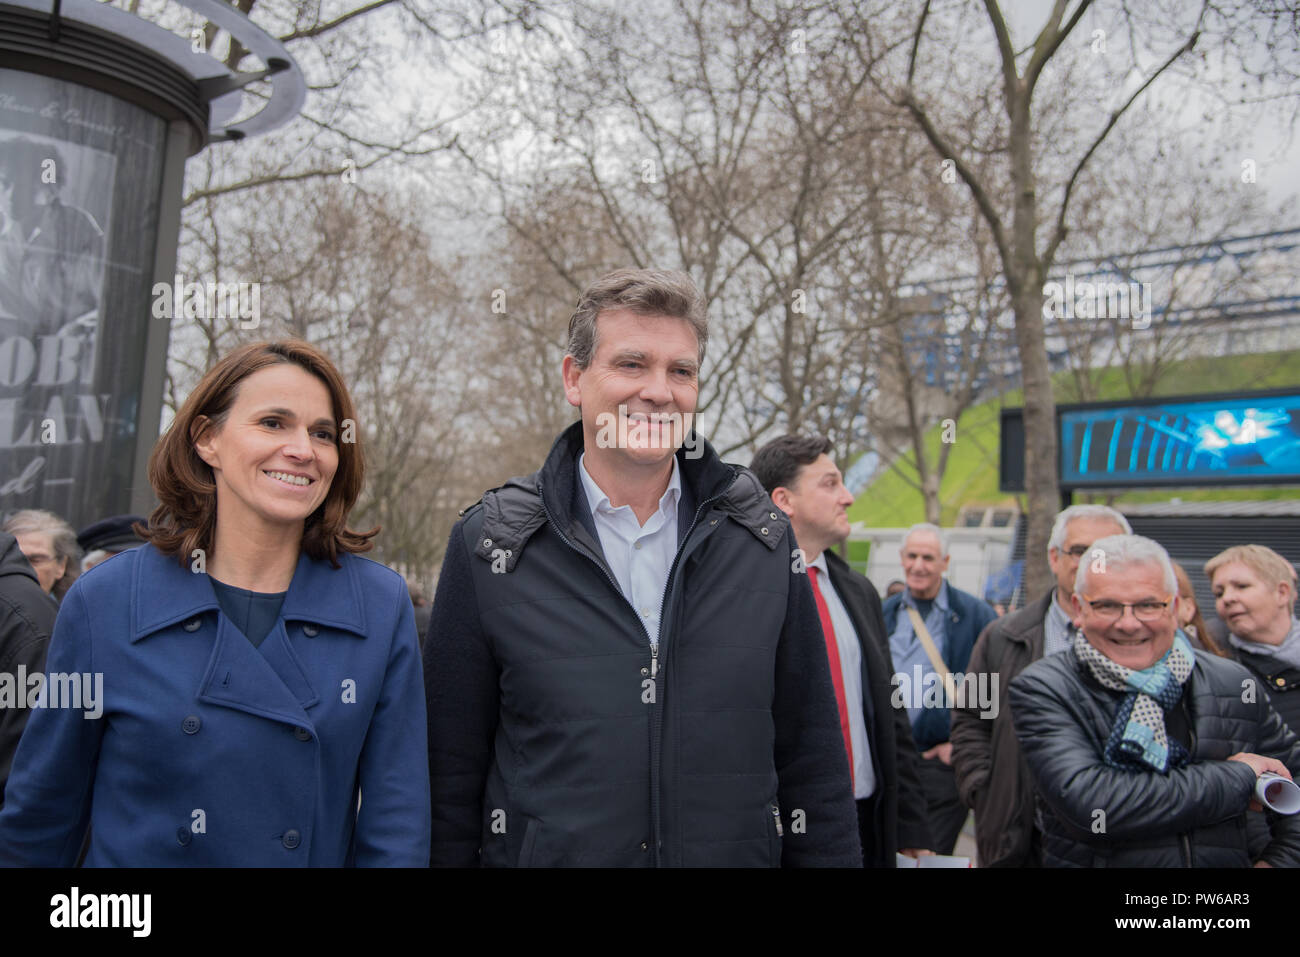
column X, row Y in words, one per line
column 102, row 46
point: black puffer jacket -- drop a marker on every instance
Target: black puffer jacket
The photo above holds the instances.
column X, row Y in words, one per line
column 26, row 620
column 1281, row 680
column 546, row 745
column 1093, row 815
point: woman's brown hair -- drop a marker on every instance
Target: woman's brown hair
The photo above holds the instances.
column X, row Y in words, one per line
column 186, row 519
column 1186, row 592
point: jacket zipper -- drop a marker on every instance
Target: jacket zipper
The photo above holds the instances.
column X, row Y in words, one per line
column 656, row 723
column 657, row 720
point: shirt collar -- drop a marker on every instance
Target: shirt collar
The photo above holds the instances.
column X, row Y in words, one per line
column 940, row 600
column 820, row 564
column 599, row 502
column 1059, row 612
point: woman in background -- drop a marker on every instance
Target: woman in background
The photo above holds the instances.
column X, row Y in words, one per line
column 1190, row 619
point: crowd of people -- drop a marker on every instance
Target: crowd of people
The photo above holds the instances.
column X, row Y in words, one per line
column 639, row 655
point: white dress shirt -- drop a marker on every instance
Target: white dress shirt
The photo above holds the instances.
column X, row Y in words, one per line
column 640, row 556
column 846, row 640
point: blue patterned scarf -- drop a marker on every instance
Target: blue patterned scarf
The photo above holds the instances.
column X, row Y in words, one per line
column 1138, row 739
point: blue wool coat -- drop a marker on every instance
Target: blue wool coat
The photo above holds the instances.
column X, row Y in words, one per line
column 210, row 751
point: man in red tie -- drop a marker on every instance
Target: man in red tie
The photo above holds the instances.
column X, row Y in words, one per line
column 798, row 473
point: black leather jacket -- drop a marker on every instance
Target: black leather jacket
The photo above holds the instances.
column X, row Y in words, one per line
column 1094, row 815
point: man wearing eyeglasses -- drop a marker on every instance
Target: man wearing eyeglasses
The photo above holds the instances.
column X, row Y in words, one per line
column 1144, row 751
column 991, row 774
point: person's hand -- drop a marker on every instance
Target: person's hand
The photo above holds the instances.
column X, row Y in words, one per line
column 916, row 852
column 941, row 751
column 1259, row 764
column 1262, row 863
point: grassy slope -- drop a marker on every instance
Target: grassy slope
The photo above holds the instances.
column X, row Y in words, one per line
column 972, row 474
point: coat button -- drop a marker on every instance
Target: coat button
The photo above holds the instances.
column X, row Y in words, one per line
column 771, row 515
column 487, row 543
column 183, row 836
column 311, row 631
column 763, row 529
column 302, row 734
column 191, row 724
column 645, row 845
column 194, row 624
column 291, row 838
column 645, row 671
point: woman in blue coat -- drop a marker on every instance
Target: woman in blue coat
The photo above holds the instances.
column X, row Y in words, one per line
column 243, row 690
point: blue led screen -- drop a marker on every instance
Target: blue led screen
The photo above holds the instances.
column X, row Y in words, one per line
column 1229, row 440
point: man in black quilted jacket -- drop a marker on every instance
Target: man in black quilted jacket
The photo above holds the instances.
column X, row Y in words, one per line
column 26, row 621
column 625, row 664
column 1144, row 751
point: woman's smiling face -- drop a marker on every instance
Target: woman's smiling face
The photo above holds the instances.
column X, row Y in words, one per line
column 275, row 454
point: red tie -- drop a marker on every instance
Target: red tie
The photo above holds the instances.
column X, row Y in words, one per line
column 833, row 653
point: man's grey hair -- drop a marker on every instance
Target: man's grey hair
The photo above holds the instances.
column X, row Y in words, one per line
column 1095, row 512
column 647, row 292
column 1118, row 552
column 932, row 529
column 38, row 521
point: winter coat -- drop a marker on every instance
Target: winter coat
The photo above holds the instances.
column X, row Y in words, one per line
column 557, row 738
column 26, row 622
column 212, row 751
column 1094, row 815
column 900, row 808
column 992, row 776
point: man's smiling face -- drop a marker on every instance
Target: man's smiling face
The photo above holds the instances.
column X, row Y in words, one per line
column 1126, row 639
column 640, row 389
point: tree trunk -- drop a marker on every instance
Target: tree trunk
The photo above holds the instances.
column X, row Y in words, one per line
column 1025, row 278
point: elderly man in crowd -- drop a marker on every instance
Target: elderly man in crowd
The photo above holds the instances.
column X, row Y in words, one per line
column 991, row 772
column 50, row 544
column 932, row 627
column 1144, row 751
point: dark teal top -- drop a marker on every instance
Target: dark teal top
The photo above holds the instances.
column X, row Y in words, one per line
column 252, row 612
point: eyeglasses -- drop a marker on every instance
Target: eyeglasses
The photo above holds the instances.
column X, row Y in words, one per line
column 1078, row 551
column 1142, row 610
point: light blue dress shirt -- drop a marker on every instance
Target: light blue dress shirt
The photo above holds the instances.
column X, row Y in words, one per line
column 1058, row 628
column 640, row 556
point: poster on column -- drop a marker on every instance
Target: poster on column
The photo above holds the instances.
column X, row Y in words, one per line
column 79, row 180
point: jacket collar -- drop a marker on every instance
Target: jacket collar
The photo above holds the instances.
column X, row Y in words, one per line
column 165, row 592
column 941, row 600
column 1026, row 625
column 512, row 513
